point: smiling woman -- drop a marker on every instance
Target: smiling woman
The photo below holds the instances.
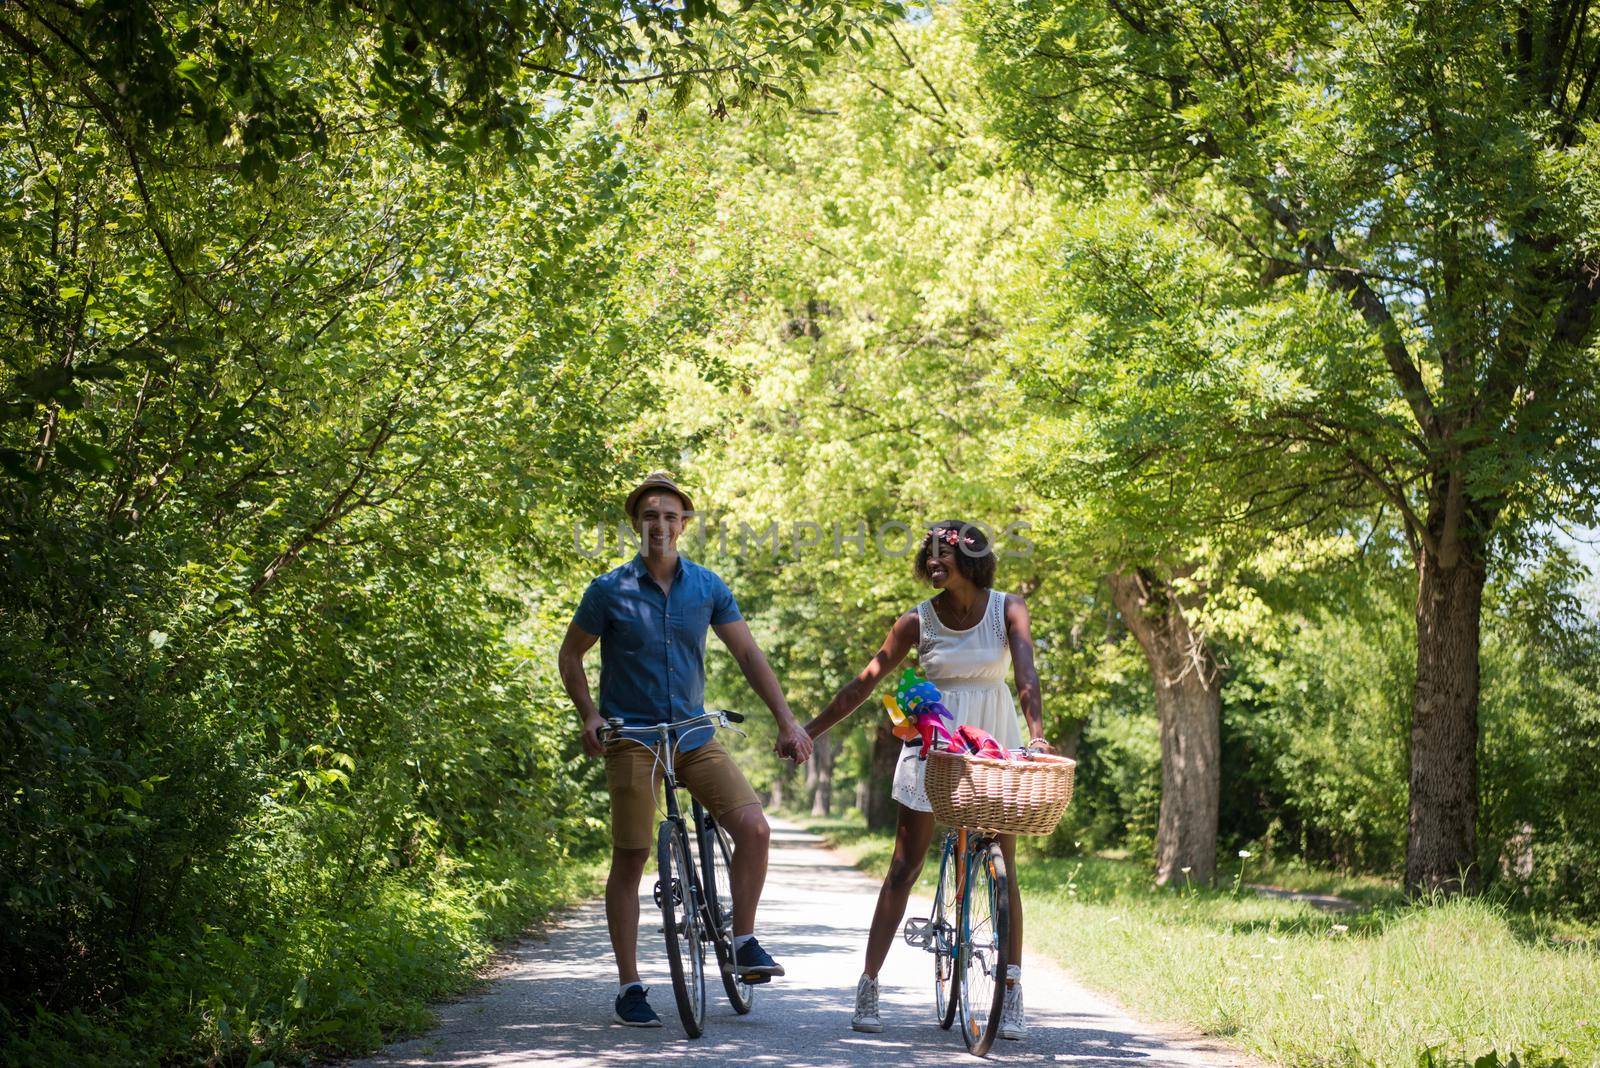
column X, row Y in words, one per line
column 965, row 638
column 958, row 542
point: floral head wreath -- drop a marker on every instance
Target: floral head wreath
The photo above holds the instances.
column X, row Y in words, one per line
column 950, row 536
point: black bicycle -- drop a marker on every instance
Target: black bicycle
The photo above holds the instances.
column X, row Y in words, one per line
column 693, row 890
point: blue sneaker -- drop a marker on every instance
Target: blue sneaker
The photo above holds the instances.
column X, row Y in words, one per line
column 754, row 964
column 633, row 1008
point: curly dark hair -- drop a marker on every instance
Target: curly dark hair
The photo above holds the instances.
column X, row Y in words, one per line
column 974, row 554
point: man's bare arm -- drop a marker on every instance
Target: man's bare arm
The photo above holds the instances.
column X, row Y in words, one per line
column 576, row 682
column 792, row 741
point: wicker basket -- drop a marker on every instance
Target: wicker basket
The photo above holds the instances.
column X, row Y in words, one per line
column 1003, row 796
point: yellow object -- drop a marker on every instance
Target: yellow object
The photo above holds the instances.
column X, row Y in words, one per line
column 899, row 725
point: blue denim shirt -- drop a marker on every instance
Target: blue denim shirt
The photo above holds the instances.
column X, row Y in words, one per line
column 653, row 644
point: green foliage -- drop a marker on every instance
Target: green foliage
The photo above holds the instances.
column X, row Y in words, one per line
column 1336, row 274
column 263, row 91
column 1540, row 822
column 1117, row 785
column 295, row 850
column 1320, row 725
column 883, row 227
column 1318, row 715
column 325, row 324
column 1305, row 151
column 1131, row 335
column 281, row 747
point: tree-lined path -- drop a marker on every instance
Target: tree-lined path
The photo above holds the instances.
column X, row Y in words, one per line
column 1264, row 337
column 548, row 1002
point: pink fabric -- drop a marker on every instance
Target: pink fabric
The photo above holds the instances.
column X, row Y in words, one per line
column 980, row 742
column 931, row 728
column 965, row 739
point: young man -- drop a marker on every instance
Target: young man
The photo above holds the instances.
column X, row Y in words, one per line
column 650, row 617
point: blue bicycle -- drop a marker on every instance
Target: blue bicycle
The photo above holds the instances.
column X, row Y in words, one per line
column 968, row 935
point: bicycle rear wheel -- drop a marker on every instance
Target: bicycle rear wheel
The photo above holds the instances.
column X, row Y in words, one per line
column 981, row 956
column 679, row 895
column 716, row 857
column 942, row 929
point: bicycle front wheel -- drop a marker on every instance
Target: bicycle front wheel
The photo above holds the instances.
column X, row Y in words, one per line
column 942, row 930
column 716, row 855
column 679, row 894
column 981, row 956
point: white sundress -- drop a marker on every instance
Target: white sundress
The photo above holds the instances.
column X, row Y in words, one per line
column 969, row 667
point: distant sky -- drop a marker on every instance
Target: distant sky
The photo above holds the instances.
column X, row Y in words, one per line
column 1585, row 545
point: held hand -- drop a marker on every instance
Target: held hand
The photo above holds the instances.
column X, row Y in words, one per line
column 592, row 745
column 794, row 743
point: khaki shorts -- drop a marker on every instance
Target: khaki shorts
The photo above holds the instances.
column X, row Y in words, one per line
column 634, row 778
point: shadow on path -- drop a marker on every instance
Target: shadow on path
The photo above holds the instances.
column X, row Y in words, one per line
column 550, row 1002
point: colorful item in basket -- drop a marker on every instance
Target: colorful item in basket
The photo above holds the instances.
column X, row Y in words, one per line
column 930, row 728
column 918, row 701
column 981, row 743
column 901, row 727
column 914, row 691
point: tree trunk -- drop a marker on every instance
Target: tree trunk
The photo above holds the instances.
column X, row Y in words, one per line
column 780, row 784
column 1441, row 839
column 820, row 774
column 880, row 808
column 1188, row 689
column 1067, row 738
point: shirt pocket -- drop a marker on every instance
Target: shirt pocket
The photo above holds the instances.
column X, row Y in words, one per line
column 689, row 625
column 632, row 625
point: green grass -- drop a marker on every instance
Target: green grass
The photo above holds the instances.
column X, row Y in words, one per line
column 1296, row 985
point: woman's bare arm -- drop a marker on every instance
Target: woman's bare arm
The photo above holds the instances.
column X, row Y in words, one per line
column 903, row 637
column 1019, row 633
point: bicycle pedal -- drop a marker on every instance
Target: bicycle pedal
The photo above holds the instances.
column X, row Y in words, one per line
column 918, row 933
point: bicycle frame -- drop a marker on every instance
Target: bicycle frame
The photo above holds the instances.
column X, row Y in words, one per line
column 967, row 843
column 694, row 890
column 666, row 737
column 919, row 932
column 694, row 842
column 947, row 932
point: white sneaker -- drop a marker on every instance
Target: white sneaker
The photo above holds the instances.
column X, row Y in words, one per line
column 866, row 1017
column 1013, row 1021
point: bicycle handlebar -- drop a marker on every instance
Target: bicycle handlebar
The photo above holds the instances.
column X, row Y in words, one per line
column 715, row 717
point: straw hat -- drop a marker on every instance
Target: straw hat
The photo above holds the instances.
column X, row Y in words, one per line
column 657, row 480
